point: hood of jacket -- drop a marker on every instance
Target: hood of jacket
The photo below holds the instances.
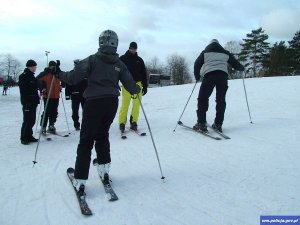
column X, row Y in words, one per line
column 108, row 58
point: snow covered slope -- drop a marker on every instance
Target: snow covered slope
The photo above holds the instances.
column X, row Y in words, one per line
column 228, row 182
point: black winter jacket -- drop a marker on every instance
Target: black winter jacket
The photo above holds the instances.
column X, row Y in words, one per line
column 136, row 66
column 103, row 73
column 28, row 86
column 76, row 91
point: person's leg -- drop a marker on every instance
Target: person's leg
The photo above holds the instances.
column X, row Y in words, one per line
column 75, row 109
column 102, row 145
column 126, row 98
column 53, row 110
column 136, row 105
column 90, row 123
column 205, row 91
column 24, row 129
column 221, row 89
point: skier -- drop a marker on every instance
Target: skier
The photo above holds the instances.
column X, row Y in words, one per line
column 45, row 80
column 75, row 93
column 103, row 71
column 29, row 99
column 136, row 66
column 5, row 87
column 213, row 62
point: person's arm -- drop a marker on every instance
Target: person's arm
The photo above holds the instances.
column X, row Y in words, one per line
column 81, row 71
column 197, row 66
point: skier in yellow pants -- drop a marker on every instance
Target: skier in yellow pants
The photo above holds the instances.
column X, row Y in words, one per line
column 136, row 66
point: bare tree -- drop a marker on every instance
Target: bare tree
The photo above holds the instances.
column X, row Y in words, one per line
column 10, row 66
column 178, row 69
column 235, row 48
column 154, row 66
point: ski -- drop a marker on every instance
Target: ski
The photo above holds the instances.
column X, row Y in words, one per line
column 207, row 134
column 218, row 132
column 111, row 195
column 139, row 132
column 85, row 210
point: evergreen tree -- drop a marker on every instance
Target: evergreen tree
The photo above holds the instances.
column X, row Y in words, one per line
column 295, row 53
column 254, row 51
column 277, row 61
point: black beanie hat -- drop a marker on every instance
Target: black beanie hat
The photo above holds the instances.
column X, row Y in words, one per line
column 133, row 45
column 30, row 63
column 52, row 63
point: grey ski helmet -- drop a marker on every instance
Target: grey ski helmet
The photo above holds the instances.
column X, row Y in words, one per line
column 108, row 38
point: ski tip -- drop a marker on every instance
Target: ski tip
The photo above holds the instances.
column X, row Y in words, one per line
column 124, row 137
column 143, row 134
column 70, row 170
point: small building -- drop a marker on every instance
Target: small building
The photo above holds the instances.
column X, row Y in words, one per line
column 159, row 80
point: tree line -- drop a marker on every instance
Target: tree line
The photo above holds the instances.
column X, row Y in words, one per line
column 254, row 52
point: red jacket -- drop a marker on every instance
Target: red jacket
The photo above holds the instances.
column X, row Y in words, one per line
column 45, row 79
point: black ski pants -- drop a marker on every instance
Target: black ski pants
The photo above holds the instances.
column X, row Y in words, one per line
column 98, row 115
column 29, row 116
column 51, row 112
column 211, row 80
column 76, row 101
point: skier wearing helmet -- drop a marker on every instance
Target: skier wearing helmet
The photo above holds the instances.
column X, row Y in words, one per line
column 103, row 71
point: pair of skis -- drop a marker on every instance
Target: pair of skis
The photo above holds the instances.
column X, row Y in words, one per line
column 46, row 136
column 85, row 210
column 207, row 134
column 139, row 133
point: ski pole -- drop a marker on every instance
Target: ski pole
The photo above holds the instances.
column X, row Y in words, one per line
column 185, row 106
column 162, row 176
column 246, row 97
column 43, row 120
column 65, row 112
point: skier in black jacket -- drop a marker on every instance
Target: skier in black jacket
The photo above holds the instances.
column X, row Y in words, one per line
column 75, row 93
column 136, row 66
column 213, row 63
column 29, row 99
column 103, row 71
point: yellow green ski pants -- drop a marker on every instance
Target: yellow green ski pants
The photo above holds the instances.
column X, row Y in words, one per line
column 126, row 99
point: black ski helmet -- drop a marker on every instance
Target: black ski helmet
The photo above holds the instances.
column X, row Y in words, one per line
column 108, row 38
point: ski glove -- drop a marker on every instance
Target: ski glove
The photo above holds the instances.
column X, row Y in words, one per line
column 144, row 90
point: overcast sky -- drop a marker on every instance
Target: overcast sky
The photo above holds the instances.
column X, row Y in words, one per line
column 70, row 29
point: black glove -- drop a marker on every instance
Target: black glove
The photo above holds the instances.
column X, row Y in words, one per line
column 144, row 90
column 197, row 77
column 138, row 89
column 57, row 63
